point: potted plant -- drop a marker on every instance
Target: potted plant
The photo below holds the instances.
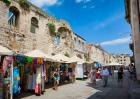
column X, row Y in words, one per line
column 24, row 4
column 51, row 28
column 67, row 54
column 7, row 2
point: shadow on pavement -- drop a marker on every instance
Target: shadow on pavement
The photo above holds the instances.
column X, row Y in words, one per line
column 114, row 90
column 28, row 93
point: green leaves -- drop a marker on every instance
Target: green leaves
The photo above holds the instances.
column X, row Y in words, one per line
column 67, row 54
column 24, row 4
column 7, row 2
column 51, row 27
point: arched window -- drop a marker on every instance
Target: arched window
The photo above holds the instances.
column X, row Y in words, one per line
column 75, row 41
column 34, row 25
column 79, row 42
column 57, row 39
column 13, row 16
column 83, row 46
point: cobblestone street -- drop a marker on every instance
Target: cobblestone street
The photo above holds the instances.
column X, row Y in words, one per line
column 84, row 90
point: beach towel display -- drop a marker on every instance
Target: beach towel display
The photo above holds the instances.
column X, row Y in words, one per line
column 6, row 67
column 34, row 81
column 6, row 63
column 38, row 80
column 29, row 82
column 29, row 59
column 1, row 84
column 39, row 87
column 16, row 82
column 42, row 77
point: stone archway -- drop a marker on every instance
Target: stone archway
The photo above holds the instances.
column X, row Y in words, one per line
column 13, row 16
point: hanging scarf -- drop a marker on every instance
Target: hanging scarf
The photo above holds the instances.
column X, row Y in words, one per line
column 39, row 61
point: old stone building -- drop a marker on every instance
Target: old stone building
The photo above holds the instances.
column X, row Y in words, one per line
column 98, row 54
column 123, row 59
column 133, row 17
column 79, row 46
column 25, row 27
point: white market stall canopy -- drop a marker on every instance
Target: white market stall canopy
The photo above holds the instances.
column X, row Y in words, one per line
column 39, row 54
column 113, row 64
column 36, row 53
column 61, row 58
column 5, row 51
column 76, row 59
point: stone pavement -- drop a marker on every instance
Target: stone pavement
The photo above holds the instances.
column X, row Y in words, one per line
column 85, row 90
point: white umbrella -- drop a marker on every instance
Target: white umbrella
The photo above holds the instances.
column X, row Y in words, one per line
column 76, row 59
column 113, row 64
column 61, row 58
column 5, row 51
column 35, row 54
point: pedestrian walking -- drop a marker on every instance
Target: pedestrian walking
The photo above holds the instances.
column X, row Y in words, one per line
column 112, row 70
column 98, row 73
column 120, row 75
column 132, row 71
column 93, row 76
column 105, row 75
column 73, row 76
column 56, row 79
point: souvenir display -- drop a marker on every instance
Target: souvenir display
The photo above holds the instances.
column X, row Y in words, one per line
column 16, row 77
column 1, row 83
column 28, row 74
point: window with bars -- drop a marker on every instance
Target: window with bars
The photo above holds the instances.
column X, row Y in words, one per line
column 34, row 25
column 57, row 40
column 13, row 16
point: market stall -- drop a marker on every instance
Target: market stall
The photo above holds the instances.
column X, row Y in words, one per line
column 61, row 58
column 6, row 73
column 79, row 70
column 87, row 68
column 65, row 66
column 38, row 76
column 113, row 65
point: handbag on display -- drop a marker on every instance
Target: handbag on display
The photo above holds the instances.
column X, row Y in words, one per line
column 36, row 89
column 39, row 61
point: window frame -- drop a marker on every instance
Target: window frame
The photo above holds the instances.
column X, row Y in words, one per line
column 34, row 25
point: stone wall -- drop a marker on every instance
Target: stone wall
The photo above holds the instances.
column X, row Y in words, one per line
column 123, row 59
column 135, row 24
column 97, row 54
column 21, row 39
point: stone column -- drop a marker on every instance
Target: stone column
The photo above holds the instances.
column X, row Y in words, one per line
column 136, row 33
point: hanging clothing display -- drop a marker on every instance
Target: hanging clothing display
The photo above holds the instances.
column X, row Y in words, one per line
column 16, row 82
column 6, row 70
column 38, row 81
column 6, row 63
column 29, row 82
column 34, row 81
column 42, row 76
column 1, row 84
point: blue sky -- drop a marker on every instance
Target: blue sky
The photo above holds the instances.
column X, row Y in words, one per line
column 98, row 21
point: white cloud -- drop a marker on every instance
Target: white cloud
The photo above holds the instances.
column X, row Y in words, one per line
column 108, row 21
column 84, row 1
column 41, row 3
column 117, row 41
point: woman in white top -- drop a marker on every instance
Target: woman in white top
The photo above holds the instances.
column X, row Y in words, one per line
column 93, row 76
